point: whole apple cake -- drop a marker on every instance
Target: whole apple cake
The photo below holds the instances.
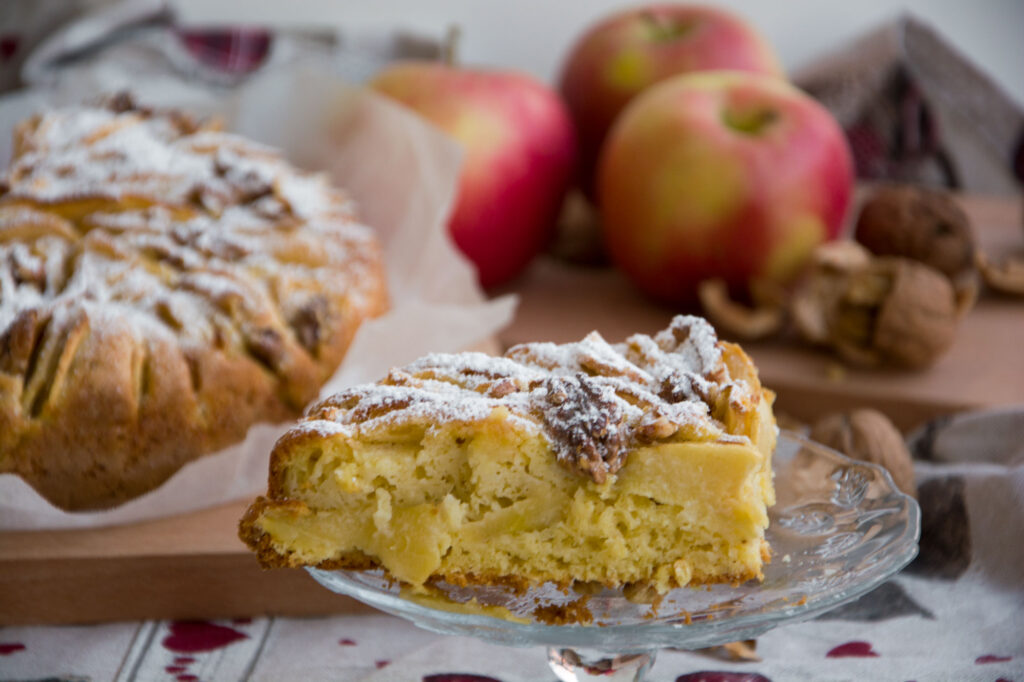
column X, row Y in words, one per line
column 164, row 285
column 645, row 464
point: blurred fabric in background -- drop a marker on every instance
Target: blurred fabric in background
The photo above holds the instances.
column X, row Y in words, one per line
column 24, row 25
column 48, row 41
column 915, row 109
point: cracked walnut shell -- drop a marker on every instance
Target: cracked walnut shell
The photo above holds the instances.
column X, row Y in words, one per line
column 880, row 311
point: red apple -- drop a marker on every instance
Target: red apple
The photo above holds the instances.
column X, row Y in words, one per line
column 721, row 174
column 519, row 152
column 626, row 53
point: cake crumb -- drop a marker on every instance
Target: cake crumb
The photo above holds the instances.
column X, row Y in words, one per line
column 571, row 613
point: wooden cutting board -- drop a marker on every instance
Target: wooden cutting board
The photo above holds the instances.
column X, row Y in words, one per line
column 187, row 566
column 193, row 566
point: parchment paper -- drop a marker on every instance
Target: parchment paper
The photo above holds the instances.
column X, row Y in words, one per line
column 401, row 172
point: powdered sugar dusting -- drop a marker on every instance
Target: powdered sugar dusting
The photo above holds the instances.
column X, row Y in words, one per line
column 321, row 428
column 174, row 228
column 80, row 153
column 591, row 399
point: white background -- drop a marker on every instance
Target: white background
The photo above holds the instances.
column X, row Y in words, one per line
column 534, row 35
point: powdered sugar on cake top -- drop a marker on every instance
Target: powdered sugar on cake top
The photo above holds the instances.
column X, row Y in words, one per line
column 593, row 400
column 168, row 223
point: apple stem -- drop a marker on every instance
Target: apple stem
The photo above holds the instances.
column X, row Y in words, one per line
column 450, row 47
column 665, row 29
column 750, row 122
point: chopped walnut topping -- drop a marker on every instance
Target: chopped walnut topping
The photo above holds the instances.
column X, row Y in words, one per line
column 502, row 388
column 656, row 426
column 585, row 423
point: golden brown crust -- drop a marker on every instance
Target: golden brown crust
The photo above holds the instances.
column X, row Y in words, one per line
column 141, row 329
column 287, row 447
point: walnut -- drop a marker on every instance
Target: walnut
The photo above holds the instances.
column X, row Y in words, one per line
column 655, row 426
column 871, row 310
column 502, row 387
column 840, row 257
column 914, row 308
column 585, row 426
column 917, row 223
column 869, row 436
column 888, row 311
column 1006, row 276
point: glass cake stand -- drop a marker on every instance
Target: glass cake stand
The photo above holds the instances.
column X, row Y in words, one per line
column 839, row 528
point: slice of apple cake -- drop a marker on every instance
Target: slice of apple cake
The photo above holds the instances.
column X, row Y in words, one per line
column 645, row 463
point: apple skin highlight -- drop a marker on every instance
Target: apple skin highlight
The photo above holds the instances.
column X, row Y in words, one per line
column 520, row 152
column 721, row 174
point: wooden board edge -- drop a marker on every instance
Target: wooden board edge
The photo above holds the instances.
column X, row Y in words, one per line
column 97, row 590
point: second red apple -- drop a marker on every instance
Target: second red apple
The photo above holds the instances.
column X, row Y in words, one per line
column 721, row 174
column 624, row 54
column 519, row 153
